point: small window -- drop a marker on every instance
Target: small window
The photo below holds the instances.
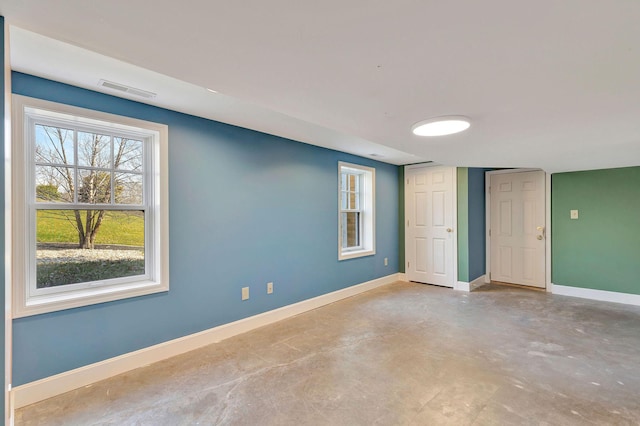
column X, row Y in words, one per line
column 89, row 207
column 356, row 236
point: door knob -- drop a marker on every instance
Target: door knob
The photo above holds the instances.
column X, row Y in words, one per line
column 539, row 237
column 449, row 230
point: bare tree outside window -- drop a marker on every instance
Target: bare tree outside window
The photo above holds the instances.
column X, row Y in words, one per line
column 87, row 184
column 90, row 169
column 91, row 216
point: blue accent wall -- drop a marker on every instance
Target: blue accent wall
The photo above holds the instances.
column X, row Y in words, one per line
column 477, row 223
column 471, row 223
column 245, row 207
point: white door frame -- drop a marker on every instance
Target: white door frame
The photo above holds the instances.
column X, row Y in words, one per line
column 455, row 214
column 547, row 219
column 8, row 221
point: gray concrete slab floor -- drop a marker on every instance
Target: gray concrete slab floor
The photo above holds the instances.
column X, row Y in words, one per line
column 403, row 354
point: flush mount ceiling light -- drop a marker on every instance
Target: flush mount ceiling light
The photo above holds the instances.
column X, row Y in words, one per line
column 212, row 91
column 441, row 126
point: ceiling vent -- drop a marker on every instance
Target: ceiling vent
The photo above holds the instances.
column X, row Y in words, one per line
column 126, row 89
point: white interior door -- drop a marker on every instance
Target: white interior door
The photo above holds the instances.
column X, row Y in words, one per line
column 430, row 217
column 518, row 228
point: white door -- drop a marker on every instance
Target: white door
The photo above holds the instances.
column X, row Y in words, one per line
column 518, row 228
column 430, row 217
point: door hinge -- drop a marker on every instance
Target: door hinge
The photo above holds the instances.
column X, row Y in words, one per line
column 407, row 222
column 407, row 181
column 489, row 232
column 408, row 265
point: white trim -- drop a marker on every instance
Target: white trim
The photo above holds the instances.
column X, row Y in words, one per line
column 8, row 323
column 487, row 226
column 455, row 224
column 461, row 286
column 39, row 390
column 27, row 299
column 465, row 286
column 368, row 230
column 547, row 218
column 601, row 295
column 402, row 277
column 478, row 282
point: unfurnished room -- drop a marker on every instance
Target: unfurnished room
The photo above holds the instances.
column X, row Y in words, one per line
column 320, row 213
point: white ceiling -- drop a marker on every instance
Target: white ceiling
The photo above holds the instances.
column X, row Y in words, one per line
column 549, row 84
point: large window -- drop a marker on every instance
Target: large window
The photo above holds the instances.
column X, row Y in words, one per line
column 356, row 235
column 90, row 215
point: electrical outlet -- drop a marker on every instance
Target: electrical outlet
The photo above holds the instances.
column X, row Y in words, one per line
column 386, row 261
column 245, row 293
column 269, row 288
column 574, row 214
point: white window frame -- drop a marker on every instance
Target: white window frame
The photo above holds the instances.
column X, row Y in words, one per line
column 367, row 191
column 29, row 300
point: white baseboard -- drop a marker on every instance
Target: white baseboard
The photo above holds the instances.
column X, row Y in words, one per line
column 402, row 276
column 478, row 282
column 464, row 286
column 48, row 387
column 461, row 286
column 602, row 295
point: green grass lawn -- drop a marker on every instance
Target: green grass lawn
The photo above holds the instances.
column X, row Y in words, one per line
column 118, row 228
column 58, row 226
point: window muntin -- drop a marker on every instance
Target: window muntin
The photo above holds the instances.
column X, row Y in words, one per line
column 81, row 171
column 356, row 236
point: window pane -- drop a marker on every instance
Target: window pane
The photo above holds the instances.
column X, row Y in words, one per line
column 353, row 182
column 114, row 247
column 351, row 229
column 54, row 184
column 127, row 154
column 353, row 201
column 94, row 186
column 54, row 145
column 128, row 187
column 343, row 181
column 94, row 150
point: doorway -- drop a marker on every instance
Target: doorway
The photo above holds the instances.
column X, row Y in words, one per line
column 430, row 239
column 517, row 231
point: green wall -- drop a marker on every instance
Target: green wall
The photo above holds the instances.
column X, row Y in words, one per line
column 463, row 223
column 601, row 249
column 401, row 227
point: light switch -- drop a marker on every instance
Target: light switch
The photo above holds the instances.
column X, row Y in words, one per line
column 574, row 214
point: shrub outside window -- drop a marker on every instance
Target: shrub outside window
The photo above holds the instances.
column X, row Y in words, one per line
column 89, row 200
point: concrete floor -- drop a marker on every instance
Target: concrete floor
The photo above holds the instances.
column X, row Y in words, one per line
column 405, row 354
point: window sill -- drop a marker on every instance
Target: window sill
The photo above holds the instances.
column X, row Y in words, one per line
column 57, row 302
column 355, row 254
